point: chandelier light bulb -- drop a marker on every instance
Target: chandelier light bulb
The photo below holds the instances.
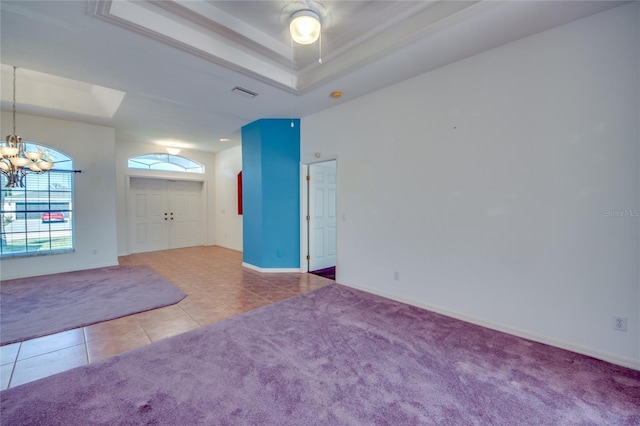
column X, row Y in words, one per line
column 19, row 161
column 45, row 165
column 33, row 156
column 8, row 151
column 305, row 26
column 34, row 167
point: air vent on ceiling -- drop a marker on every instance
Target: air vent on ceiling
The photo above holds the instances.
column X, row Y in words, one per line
column 244, row 92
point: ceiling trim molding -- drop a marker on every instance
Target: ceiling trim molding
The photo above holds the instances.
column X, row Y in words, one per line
column 201, row 29
column 241, row 32
column 275, row 74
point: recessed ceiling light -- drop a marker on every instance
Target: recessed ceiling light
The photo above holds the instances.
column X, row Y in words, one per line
column 224, row 140
column 172, row 146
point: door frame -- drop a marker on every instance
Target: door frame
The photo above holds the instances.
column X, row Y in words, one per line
column 165, row 177
column 305, row 250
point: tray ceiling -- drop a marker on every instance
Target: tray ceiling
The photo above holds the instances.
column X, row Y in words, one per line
column 175, row 64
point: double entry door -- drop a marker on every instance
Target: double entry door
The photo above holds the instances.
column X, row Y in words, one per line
column 164, row 214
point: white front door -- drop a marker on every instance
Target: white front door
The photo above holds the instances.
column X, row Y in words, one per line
column 184, row 202
column 164, row 214
column 322, row 215
column 148, row 215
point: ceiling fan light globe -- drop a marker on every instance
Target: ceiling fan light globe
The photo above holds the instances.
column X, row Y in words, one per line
column 305, row 27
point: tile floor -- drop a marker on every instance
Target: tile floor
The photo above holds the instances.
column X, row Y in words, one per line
column 217, row 286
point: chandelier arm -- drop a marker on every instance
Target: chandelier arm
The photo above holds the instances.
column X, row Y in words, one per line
column 14, row 100
column 16, row 164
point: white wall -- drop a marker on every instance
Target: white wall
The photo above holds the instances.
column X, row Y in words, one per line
column 92, row 150
column 126, row 150
column 486, row 185
column 228, row 221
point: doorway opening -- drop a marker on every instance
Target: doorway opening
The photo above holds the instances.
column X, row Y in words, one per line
column 321, row 219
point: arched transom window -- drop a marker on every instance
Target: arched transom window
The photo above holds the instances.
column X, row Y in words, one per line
column 166, row 162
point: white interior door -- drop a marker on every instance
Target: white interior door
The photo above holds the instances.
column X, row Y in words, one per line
column 322, row 215
column 164, row 214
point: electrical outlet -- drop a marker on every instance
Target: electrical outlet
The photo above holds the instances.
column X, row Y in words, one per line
column 396, row 275
column 620, row 323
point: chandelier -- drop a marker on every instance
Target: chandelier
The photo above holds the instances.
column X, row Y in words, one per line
column 15, row 162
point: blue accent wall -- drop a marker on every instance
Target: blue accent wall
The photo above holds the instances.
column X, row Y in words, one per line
column 271, row 193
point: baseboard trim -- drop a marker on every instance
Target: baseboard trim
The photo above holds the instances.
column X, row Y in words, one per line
column 31, row 273
column 594, row 353
column 270, row 270
column 226, row 247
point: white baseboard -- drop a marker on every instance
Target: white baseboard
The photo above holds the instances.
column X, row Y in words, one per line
column 50, row 271
column 595, row 353
column 270, row 270
column 225, row 246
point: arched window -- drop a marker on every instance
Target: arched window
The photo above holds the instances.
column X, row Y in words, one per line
column 38, row 218
column 166, row 162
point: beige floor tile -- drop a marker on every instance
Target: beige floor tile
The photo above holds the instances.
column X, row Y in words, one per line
column 162, row 330
column 113, row 345
column 209, row 317
column 5, row 375
column 112, row 329
column 9, row 353
column 278, row 296
column 37, row 367
column 158, row 315
column 50, row 343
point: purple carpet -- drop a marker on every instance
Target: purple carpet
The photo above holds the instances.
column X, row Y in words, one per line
column 335, row 356
column 37, row 306
column 329, row 272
